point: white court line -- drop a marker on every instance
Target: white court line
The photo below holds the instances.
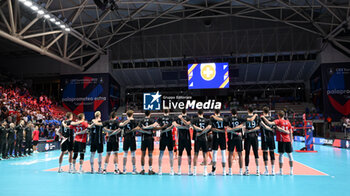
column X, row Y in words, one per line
column 35, row 161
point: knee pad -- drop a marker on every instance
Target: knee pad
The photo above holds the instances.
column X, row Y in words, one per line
column 265, row 156
column 75, row 155
column 272, row 155
column 223, row 155
column 281, row 158
column 133, row 154
column 125, row 155
column 215, row 155
column 290, row 156
column 82, row 156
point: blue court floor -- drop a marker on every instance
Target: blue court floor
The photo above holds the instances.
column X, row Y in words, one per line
column 27, row 176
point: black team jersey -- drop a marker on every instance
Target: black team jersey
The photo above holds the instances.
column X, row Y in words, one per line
column 201, row 123
column 112, row 125
column 66, row 131
column 184, row 134
column 167, row 121
column 11, row 134
column 264, row 132
column 234, row 121
column 29, row 132
column 146, row 122
column 19, row 132
column 218, row 125
column 128, row 135
column 3, row 132
column 251, row 125
column 96, row 134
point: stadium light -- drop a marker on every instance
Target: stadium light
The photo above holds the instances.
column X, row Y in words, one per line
column 46, row 14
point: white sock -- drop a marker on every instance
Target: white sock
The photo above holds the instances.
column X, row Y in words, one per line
column 134, row 167
column 281, row 171
column 106, row 164
column 74, row 166
column 189, row 168
column 257, row 168
column 266, row 168
column 230, row 170
column 160, row 169
column 205, row 168
column 150, row 167
column 240, row 170
column 70, row 166
column 195, row 168
column 273, row 168
column 59, row 166
column 291, row 169
column 116, row 166
column 143, row 167
column 246, row 168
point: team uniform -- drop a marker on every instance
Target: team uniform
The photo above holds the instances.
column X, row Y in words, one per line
column 96, row 138
column 184, row 136
column 79, row 140
column 219, row 139
column 3, row 132
column 200, row 141
column 129, row 137
column 19, row 140
column 283, row 139
column 166, row 139
column 234, row 140
column 67, row 132
column 28, row 140
column 112, row 141
column 10, row 140
column 147, row 139
column 251, row 139
column 267, row 137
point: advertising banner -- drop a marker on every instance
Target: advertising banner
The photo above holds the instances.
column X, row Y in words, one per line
column 336, row 90
column 87, row 93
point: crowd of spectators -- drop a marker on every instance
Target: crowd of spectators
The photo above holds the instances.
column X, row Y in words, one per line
column 24, row 119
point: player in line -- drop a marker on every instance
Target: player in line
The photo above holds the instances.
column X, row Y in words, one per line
column 182, row 124
column 66, row 135
column 201, row 127
column 284, row 134
column 129, row 128
column 147, row 142
column 111, row 127
column 267, row 141
column 219, row 139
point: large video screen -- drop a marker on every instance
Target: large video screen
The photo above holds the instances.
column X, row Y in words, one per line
column 208, row 75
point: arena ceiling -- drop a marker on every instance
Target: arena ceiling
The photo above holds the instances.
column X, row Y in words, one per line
column 83, row 31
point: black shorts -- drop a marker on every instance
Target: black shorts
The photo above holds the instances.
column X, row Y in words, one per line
column 35, row 142
column 219, row 141
column 129, row 144
column 201, row 144
column 67, row 145
column 96, row 147
column 185, row 144
column 269, row 144
column 251, row 142
column 147, row 143
column 166, row 142
column 235, row 143
column 79, row 147
column 113, row 146
column 285, row 147
column 210, row 142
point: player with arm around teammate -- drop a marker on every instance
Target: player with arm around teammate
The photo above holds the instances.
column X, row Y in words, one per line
column 284, row 135
column 113, row 131
column 147, row 142
column 201, row 127
column 182, row 124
